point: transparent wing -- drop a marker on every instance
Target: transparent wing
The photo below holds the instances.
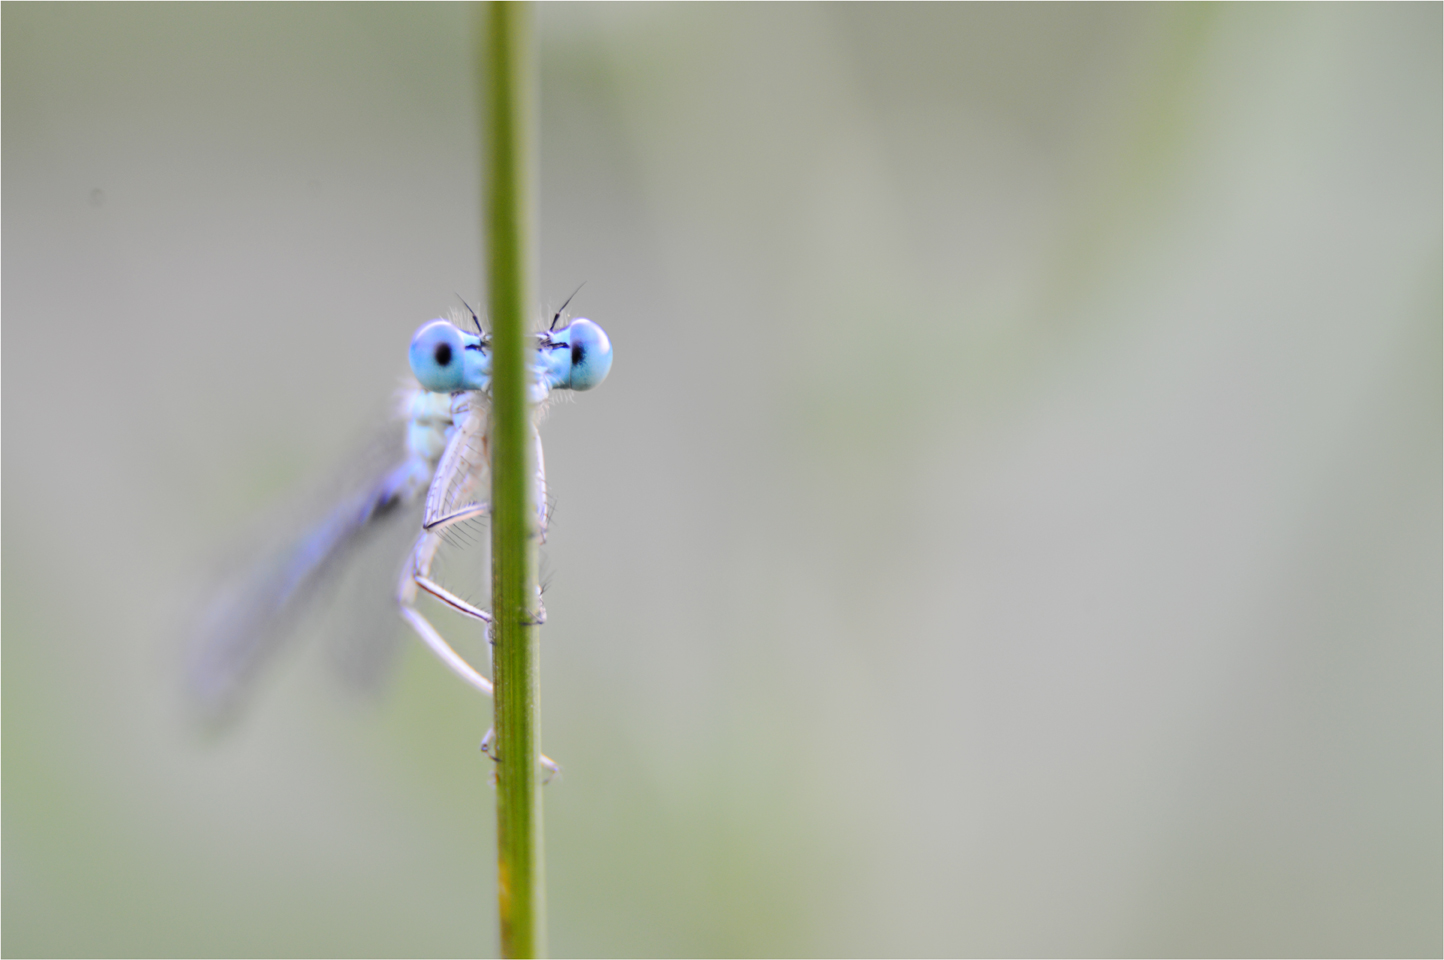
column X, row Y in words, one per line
column 253, row 609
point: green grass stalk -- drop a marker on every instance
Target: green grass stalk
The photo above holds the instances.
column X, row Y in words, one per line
column 508, row 76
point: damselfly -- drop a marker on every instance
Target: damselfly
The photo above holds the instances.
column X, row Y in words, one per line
column 443, row 463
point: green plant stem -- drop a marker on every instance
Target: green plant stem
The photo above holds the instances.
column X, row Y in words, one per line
column 508, row 72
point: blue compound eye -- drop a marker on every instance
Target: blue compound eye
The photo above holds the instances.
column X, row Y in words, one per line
column 446, row 359
column 589, row 358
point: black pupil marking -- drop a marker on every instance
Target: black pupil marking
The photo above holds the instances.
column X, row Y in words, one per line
column 443, row 354
column 577, row 354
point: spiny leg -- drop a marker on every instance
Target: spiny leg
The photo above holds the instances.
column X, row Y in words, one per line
column 471, row 510
column 415, row 575
column 423, row 568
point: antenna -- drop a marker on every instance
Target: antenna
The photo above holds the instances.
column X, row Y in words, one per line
column 474, row 318
column 568, row 300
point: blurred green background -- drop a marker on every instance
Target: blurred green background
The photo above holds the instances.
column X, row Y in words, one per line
column 1011, row 527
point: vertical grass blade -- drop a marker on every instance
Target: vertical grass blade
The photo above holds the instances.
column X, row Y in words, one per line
column 509, row 127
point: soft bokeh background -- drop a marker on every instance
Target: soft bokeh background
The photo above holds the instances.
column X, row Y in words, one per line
column 1012, row 525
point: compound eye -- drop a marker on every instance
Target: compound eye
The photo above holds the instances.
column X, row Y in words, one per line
column 591, row 354
column 436, row 357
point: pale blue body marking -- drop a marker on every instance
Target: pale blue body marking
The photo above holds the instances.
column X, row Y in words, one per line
column 446, row 358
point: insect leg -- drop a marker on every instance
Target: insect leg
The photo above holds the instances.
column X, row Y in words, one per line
column 406, row 603
column 488, row 741
column 421, row 566
column 411, row 578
